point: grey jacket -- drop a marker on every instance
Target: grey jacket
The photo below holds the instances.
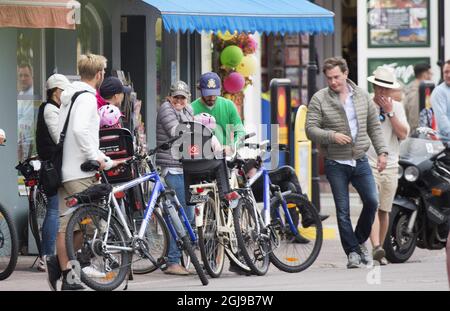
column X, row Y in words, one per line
column 166, row 121
column 326, row 116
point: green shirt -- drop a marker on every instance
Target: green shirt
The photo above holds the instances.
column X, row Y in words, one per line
column 227, row 119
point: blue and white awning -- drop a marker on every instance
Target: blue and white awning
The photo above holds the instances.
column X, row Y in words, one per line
column 263, row 16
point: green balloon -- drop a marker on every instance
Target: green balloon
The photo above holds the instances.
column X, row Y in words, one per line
column 231, row 56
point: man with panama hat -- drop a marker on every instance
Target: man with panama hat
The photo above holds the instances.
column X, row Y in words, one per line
column 395, row 128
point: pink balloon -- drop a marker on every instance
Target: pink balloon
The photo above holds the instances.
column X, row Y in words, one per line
column 234, row 83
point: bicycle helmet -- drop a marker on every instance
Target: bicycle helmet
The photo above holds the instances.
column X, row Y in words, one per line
column 109, row 115
column 206, row 119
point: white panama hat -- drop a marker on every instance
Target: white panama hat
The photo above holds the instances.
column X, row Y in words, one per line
column 384, row 77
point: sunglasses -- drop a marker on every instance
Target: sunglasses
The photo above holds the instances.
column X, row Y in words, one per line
column 382, row 116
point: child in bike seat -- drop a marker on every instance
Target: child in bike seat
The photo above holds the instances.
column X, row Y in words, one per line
column 110, row 117
column 210, row 122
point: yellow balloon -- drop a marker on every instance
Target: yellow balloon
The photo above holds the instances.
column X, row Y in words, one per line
column 248, row 65
column 226, row 36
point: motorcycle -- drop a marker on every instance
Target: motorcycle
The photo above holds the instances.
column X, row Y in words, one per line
column 421, row 210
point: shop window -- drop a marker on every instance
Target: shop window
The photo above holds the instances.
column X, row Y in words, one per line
column 29, row 90
column 89, row 32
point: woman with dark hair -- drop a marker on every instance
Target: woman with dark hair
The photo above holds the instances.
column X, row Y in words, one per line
column 175, row 111
column 47, row 137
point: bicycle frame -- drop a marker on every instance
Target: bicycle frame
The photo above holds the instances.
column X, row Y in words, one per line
column 158, row 189
column 266, row 200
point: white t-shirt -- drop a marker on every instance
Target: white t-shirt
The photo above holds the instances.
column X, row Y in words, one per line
column 392, row 141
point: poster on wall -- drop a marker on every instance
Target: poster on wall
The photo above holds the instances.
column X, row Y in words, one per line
column 398, row 23
column 403, row 68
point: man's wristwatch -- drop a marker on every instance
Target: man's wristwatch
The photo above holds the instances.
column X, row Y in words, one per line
column 390, row 114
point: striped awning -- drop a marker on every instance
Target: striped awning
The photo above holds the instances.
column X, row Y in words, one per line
column 263, row 16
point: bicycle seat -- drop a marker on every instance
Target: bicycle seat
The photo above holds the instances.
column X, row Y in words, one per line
column 92, row 194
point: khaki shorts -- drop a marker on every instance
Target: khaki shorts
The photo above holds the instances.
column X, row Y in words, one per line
column 69, row 188
column 387, row 182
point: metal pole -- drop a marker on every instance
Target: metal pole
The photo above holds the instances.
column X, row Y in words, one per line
column 441, row 49
column 312, row 88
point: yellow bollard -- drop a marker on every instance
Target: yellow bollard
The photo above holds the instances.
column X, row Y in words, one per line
column 303, row 148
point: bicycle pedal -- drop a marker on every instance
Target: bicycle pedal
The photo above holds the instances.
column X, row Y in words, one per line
column 162, row 263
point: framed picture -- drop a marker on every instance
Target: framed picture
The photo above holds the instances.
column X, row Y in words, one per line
column 403, row 68
column 293, row 74
column 403, row 23
column 292, row 40
column 292, row 56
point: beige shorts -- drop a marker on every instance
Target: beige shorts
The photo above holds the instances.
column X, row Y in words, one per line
column 69, row 188
column 387, row 182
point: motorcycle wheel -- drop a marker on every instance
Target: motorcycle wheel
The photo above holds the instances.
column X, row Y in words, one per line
column 399, row 245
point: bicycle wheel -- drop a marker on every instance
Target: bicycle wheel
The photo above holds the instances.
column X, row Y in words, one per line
column 253, row 246
column 88, row 227
column 211, row 248
column 37, row 214
column 9, row 247
column 157, row 237
column 294, row 253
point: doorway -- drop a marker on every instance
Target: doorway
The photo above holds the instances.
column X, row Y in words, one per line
column 350, row 37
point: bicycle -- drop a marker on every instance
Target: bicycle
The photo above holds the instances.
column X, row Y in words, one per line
column 276, row 224
column 108, row 241
column 214, row 217
column 37, row 201
column 9, row 241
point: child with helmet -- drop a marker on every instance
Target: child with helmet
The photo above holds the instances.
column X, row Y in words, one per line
column 110, row 116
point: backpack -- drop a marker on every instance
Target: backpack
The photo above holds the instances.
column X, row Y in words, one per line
column 50, row 177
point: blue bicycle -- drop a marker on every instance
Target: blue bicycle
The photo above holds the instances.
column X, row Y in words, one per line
column 287, row 230
column 107, row 241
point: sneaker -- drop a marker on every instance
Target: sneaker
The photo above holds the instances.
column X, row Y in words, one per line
column 41, row 265
column 383, row 261
column 176, row 269
column 53, row 271
column 299, row 239
column 354, row 260
column 378, row 253
column 365, row 255
column 74, row 286
column 92, row 272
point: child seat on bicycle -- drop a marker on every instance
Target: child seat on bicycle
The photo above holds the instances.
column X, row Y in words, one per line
column 200, row 162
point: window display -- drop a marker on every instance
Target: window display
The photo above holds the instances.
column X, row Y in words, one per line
column 399, row 23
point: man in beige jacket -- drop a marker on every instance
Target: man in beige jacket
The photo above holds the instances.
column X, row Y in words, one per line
column 343, row 120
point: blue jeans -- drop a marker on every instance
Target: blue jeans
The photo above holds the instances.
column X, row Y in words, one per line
column 339, row 176
column 50, row 226
column 176, row 182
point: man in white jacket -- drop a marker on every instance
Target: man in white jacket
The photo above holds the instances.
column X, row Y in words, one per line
column 81, row 144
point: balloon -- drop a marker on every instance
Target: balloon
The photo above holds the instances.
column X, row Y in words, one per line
column 234, row 83
column 248, row 65
column 226, row 36
column 231, row 56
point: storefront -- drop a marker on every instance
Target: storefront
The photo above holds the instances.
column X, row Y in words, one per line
column 39, row 39
column 153, row 44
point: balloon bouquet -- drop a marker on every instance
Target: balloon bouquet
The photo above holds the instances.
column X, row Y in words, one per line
column 238, row 64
